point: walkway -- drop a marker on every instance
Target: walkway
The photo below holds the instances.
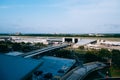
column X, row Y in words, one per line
column 43, row 50
column 80, row 73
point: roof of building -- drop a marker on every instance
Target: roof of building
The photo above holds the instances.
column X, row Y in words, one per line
column 17, row 68
column 85, row 41
column 56, row 66
column 14, row 53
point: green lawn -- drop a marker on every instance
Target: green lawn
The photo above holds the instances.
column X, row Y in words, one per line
column 112, row 72
column 115, row 72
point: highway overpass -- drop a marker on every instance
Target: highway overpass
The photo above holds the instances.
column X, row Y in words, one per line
column 80, row 72
column 43, row 50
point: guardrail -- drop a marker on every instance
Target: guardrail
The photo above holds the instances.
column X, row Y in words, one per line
column 92, row 70
column 40, row 51
column 69, row 73
column 97, row 66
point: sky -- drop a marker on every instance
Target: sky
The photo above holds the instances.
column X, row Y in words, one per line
column 60, row 16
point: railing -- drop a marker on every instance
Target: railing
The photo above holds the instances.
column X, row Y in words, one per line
column 69, row 73
column 96, row 66
column 39, row 51
column 92, row 70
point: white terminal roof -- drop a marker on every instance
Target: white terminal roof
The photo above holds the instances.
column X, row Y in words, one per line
column 84, row 41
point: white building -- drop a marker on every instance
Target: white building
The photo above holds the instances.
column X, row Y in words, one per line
column 30, row 39
column 83, row 42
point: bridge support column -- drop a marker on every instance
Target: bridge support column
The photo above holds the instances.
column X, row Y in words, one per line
column 63, row 39
column 78, row 39
column 73, row 40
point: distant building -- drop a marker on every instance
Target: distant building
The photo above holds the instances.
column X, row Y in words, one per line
column 5, row 38
column 18, row 33
column 104, row 44
column 29, row 39
column 83, row 42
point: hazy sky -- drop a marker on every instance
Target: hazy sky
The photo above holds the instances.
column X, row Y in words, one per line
column 60, row 16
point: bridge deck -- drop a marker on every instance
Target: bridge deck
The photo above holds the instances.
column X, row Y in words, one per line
column 80, row 72
column 40, row 51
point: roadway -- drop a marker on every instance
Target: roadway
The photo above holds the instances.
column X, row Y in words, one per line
column 43, row 50
column 81, row 72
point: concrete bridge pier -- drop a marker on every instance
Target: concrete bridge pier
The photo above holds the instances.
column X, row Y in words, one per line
column 73, row 40
column 63, row 39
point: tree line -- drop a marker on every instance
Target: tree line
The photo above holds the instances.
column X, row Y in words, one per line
column 7, row 46
column 65, row 35
column 104, row 55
